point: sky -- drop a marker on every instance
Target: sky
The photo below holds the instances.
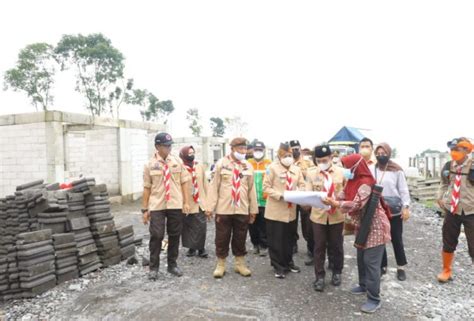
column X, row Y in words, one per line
column 291, row 69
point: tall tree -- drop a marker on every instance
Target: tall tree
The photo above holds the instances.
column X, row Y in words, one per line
column 192, row 115
column 34, row 74
column 98, row 65
column 217, row 126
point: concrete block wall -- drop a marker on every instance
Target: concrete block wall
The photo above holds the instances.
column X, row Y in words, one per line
column 22, row 155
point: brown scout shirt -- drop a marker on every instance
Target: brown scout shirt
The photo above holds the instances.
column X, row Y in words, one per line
column 203, row 186
column 315, row 183
column 445, row 191
column 153, row 178
column 219, row 196
column 274, row 185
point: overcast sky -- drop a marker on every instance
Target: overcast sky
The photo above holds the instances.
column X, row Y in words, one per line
column 291, row 69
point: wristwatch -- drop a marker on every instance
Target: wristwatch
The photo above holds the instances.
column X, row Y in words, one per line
column 144, row 210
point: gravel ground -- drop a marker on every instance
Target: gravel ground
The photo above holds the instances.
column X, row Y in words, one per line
column 123, row 292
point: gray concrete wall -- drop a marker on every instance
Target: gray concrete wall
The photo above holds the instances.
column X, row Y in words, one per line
column 59, row 147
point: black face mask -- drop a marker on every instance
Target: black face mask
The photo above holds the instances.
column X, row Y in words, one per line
column 296, row 154
column 190, row 158
column 382, row 160
column 248, row 156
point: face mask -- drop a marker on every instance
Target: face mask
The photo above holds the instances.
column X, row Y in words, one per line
column 248, row 156
column 239, row 156
column 335, row 160
column 382, row 160
column 457, row 155
column 324, row 166
column 348, row 174
column 365, row 152
column 296, row 154
column 307, row 158
column 190, row 158
column 258, row 155
column 287, row 161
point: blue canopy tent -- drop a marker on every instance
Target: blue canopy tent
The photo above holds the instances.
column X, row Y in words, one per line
column 348, row 136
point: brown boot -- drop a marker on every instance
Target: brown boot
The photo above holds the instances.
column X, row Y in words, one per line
column 220, row 268
column 447, row 273
column 241, row 267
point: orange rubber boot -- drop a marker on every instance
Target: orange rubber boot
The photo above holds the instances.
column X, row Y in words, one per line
column 447, row 273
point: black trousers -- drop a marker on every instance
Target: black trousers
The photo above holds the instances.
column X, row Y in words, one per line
column 328, row 238
column 257, row 230
column 307, row 229
column 280, row 244
column 396, row 231
column 452, row 229
column 172, row 221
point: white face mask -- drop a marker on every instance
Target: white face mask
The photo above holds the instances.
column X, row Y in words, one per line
column 335, row 160
column 307, row 157
column 258, row 155
column 365, row 152
column 239, row 156
column 288, row 161
column 324, row 166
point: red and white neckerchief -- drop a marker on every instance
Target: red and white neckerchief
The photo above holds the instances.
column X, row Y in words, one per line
column 456, row 190
column 329, row 188
column 192, row 171
column 289, row 185
column 236, row 183
column 166, row 180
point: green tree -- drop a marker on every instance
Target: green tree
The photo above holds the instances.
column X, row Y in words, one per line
column 151, row 108
column 98, row 65
column 192, row 115
column 34, row 74
column 217, row 126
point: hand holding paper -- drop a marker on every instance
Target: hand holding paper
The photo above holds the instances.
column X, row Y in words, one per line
column 313, row 199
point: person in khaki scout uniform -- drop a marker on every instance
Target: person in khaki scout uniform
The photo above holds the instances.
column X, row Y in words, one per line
column 194, row 224
column 258, row 234
column 456, row 199
column 327, row 224
column 280, row 216
column 165, row 199
column 233, row 198
column 306, row 229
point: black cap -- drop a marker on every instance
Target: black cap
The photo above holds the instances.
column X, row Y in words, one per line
column 163, row 139
column 322, row 151
column 258, row 145
column 295, row 143
column 452, row 143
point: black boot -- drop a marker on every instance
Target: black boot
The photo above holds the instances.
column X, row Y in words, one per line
column 319, row 284
column 336, row 279
column 175, row 270
column 203, row 254
column 191, row 253
column 401, row 276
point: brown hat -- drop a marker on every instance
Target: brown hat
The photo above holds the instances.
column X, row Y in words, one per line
column 284, row 148
column 238, row 141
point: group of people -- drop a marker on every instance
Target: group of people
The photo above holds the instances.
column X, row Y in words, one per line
column 247, row 193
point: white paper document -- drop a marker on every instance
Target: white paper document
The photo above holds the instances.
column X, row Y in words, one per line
column 313, row 199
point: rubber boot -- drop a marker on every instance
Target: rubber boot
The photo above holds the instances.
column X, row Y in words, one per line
column 447, row 273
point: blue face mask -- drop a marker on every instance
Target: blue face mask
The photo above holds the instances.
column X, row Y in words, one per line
column 348, row 174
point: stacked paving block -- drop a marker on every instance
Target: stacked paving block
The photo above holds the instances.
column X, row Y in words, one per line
column 65, row 249
column 102, row 224
column 55, row 211
column 127, row 241
column 36, row 262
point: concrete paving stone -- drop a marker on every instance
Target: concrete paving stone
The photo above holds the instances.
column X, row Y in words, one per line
column 30, row 185
column 63, row 238
column 90, row 268
column 37, row 260
column 82, row 251
column 37, row 251
column 78, row 223
column 35, row 284
column 36, row 236
column 29, row 246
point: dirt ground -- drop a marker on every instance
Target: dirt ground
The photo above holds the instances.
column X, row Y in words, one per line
column 123, row 292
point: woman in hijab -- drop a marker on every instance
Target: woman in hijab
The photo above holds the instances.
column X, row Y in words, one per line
column 280, row 216
column 395, row 192
column 369, row 258
column 195, row 225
